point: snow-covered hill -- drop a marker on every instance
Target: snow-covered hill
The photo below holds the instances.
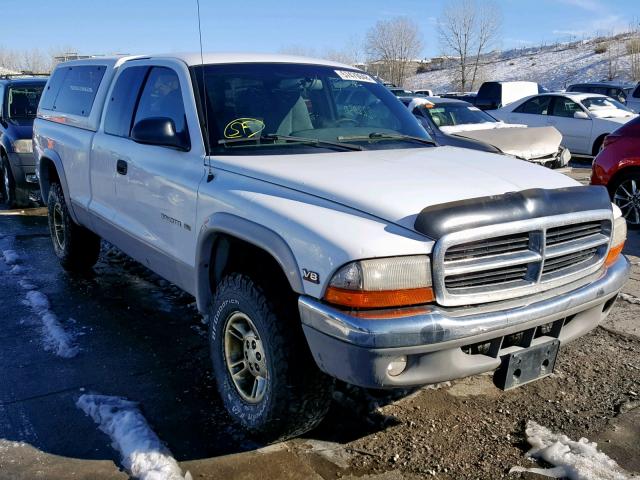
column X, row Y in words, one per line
column 554, row 66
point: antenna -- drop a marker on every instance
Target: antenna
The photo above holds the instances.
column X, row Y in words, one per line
column 204, row 92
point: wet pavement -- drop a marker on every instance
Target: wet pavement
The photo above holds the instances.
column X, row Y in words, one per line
column 141, row 338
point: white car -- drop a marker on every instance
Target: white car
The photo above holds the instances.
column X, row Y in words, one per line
column 320, row 230
column 584, row 119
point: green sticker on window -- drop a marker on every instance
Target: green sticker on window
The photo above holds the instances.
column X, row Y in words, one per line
column 243, row 128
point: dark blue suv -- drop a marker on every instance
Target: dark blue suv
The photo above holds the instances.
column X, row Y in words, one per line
column 20, row 97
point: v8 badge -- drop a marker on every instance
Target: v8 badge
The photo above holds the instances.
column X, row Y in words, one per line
column 310, row 276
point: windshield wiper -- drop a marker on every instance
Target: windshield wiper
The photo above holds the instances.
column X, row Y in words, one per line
column 289, row 138
column 389, row 136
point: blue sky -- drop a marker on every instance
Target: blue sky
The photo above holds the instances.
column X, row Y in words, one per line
column 148, row 26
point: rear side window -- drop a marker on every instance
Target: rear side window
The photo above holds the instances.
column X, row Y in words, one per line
column 122, row 103
column 73, row 89
column 636, row 92
column 491, row 91
column 535, row 106
column 162, row 97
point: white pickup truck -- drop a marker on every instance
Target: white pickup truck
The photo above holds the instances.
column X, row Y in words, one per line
column 319, row 228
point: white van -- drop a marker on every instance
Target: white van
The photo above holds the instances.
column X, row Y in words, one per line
column 493, row 95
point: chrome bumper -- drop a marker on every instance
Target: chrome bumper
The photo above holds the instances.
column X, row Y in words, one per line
column 360, row 350
column 433, row 326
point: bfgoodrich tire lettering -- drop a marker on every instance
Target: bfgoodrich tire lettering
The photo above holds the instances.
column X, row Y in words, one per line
column 76, row 247
column 297, row 394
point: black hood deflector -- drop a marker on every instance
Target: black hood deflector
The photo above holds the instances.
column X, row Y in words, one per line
column 439, row 220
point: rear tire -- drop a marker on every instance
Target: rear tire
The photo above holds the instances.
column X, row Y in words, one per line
column 76, row 247
column 625, row 192
column 8, row 184
column 265, row 373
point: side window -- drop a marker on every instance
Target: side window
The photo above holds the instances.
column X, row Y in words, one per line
column 564, row 107
column 78, row 90
column 535, row 106
column 53, row 88
column 118, row 118
column 162, row 97
column 636, row 92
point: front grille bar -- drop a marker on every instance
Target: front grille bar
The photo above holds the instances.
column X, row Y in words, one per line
column 481, row 265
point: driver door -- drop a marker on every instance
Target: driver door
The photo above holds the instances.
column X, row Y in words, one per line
column 576, row 132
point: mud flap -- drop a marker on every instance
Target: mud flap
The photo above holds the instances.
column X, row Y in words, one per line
column 527, row 365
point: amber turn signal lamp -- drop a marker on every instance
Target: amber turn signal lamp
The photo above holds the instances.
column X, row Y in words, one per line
column 379, row 299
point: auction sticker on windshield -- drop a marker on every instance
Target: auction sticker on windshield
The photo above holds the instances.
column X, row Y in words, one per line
column 357, row 76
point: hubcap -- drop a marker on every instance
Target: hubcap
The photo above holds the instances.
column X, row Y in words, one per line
column 5, row 178
column 245, row 358
column 58, row 226
column 627, row 197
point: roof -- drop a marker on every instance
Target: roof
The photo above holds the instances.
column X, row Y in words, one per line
column 574, row 95
column 24, row 80
column 193, row 59
column 612, row 83
column 435, row 100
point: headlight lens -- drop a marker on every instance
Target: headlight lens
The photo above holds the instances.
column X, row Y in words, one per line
column 23, row 146
column 382, row 282
column 618, row 237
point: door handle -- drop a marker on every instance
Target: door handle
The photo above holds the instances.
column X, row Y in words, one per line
column 121, row 167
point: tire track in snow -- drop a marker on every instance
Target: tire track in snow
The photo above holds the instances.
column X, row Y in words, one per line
column 144, row 456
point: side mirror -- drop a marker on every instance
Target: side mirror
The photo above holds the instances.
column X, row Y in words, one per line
column 159, row 131
column 581, row 115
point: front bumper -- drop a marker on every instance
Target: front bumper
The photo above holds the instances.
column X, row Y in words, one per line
column 358, row 348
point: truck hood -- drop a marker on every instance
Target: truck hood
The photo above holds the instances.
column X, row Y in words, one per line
column 395, row 185
column 527, row 143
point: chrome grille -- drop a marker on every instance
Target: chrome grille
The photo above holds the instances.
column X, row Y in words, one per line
column 515, row 259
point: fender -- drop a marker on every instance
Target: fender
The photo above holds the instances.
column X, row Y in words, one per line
column 43, row 178
column 250, row 232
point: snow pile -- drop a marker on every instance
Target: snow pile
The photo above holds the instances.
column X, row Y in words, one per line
column 579, row 460
column 56, row 339
column 143, row 454
column 26, row 284
column 10, row 257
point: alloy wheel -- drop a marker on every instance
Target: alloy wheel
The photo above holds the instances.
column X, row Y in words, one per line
column 58, row 226
column 627, row 197
column 245, row 358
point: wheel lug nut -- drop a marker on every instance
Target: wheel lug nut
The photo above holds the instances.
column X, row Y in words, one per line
column 258, row 356
column 257, row 367
column 253, row 344
column 247, row 343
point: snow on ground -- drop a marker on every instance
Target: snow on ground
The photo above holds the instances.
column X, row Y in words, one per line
column 579, row 460
column 56, row 338
column 555, row 67
column 143, row 454
column 10, row 257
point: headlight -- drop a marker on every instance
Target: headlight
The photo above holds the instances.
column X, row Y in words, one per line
column 618, row 237
column 23, row 146
column 382, row 282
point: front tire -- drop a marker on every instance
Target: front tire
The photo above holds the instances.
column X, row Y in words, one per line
column 266, row 376
column 625, row 193
column 8, row 184
column 76, row 247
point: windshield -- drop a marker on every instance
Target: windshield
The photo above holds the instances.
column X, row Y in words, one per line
column 22, row 100
column 450, row 114
column 252, row 107
column 596, row 104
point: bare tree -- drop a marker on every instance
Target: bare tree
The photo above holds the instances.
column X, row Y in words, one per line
column 467, row 31
column 394, row 43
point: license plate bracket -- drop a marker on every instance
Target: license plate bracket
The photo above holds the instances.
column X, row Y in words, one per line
column 526, row 365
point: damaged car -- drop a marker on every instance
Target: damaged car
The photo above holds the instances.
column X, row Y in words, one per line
column 460, row 124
